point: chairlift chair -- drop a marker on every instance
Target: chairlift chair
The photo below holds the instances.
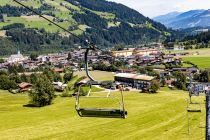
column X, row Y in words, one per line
column 98, row 112
column 193, row 110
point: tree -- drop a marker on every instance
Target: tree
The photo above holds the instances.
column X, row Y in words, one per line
column 154, row 86
column 69, row 56
column 57, row 77
column 49, row 73
column 1, row 60
column 3, row 72
column 204, row 76
column 6, row 83
column 33, row 56
column 33, row 78
column 162, row 82
column 119, row 47
column 42, row 93
column 180, row 82
column 15, row 77
column 24, row 78
column 67, row 76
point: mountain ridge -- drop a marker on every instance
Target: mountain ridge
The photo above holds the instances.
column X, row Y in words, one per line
column 189, row 19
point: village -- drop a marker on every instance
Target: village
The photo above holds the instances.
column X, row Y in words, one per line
column 133, row 68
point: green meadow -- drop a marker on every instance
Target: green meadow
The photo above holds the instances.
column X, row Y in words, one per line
column 159, row 116
column 201, row 62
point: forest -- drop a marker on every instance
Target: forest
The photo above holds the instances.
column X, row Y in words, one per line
column 33, row 40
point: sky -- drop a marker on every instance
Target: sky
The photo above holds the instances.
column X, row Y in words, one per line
column 153, row 8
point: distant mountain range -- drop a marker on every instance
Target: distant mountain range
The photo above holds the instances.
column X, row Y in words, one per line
column 189, row 19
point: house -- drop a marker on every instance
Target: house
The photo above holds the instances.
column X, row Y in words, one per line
column 23, row 87
column 185, row 70
column 121, row 70
column 123, row 53
column 134, row 80
column 16, row 58
column 83, row 81
column 168, row 59
column 43, row 58
column 58, row 70
column 59, row 86
column 131, row 51
column 145, row 52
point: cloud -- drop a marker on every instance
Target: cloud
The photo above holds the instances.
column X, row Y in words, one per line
column 152, row 8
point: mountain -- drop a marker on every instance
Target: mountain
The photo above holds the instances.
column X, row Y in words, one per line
column 104, row 23
column 166, row 19
column 189, row 19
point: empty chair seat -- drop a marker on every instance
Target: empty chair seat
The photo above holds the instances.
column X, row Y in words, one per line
column 95, row 112
column 194, row 110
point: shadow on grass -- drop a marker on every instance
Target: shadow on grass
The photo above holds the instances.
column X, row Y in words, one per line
column 31, row 105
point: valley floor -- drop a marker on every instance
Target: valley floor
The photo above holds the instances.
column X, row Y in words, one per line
column 159, row 116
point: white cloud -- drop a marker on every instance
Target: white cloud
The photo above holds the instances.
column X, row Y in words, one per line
column 152, row 8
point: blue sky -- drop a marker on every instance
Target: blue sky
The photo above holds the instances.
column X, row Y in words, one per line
column 152, row 8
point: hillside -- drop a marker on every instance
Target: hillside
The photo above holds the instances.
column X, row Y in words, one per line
column 104, row 23
column 189, row 19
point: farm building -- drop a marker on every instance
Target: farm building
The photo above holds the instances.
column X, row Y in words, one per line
column 23, row 87
column 58, row 70
column 59, row 86
column 124, row 53
column 131, row 51
column 134, row 80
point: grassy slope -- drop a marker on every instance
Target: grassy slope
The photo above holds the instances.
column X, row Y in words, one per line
column 60, row 12
column 34, row 3
column 160, row 116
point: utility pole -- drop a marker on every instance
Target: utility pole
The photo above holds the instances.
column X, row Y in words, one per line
column 207, row 118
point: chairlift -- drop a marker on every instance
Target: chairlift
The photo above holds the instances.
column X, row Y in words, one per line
column 193, row 110
column 98, row 112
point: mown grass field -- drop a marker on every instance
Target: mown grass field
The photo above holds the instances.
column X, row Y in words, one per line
column 160, row 116
column 201, row 52
column 200, row 57
column 98, row 75
column 201, row 62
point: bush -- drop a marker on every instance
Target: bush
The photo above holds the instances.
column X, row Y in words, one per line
column 67, row 77
column 107, row 84
column 66, row 93
column 83, row 92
